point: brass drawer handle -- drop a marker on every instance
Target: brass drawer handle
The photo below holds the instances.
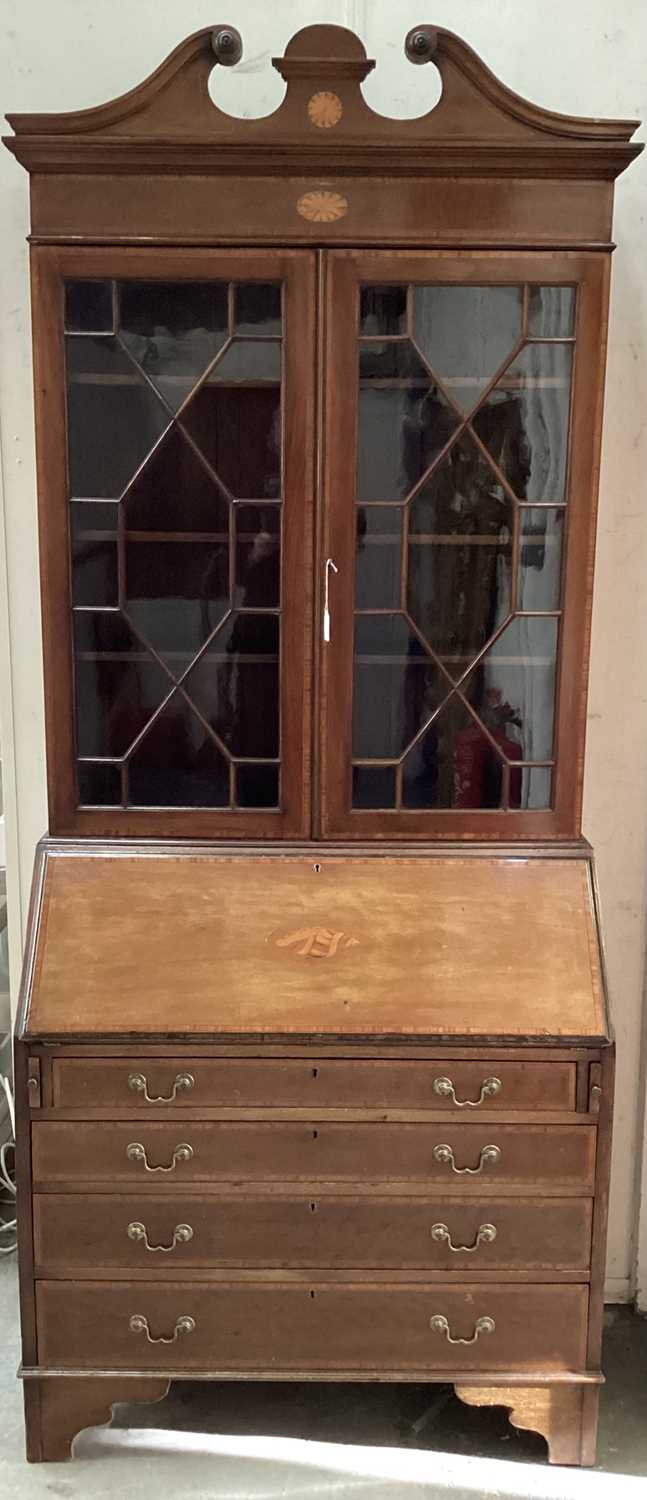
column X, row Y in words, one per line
column 138, row 1082
column 181, row 1236
column 489, row 1156
column 139, row 1324
column 445, row 1088
column 485, row 1235
column 439, row 1324
column 136, row 1152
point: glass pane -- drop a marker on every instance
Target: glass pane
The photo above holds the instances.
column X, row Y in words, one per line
column 524, row 422
column 460, row 549
column 114, row 418
column 453, row 765
column 174, row 491
column 258, row 556
column 238, row 429
column 540, row 558
column 99, row 784
column 466, row 333
column 513, row 688
column 393, row 360
column 249, row 359
column 383, row 309
column 94, row 553
column 235, row 685
column 257, row 786
column 88, row 307
column 396, row 687
column 118, row 684
column 177, row 592
column 551, row 312
column 536, row 786
column 177, row 763
column 402, row 429
column 377, row 564
column 173, row 331
column 373, row 786
column 258, row 307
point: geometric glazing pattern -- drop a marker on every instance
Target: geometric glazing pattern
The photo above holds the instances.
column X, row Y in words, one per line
column 174, row 421
column 462, row 474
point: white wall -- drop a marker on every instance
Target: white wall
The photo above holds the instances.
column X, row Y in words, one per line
column 586, row 58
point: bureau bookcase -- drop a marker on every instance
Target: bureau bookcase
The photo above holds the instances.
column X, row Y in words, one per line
column 313, row 1059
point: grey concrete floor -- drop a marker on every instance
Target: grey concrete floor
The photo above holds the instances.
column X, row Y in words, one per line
column 323, row 1441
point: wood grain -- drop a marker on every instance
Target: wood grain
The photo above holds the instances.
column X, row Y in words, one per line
column 447, row 947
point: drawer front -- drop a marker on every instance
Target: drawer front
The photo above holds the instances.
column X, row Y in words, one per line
column 125, row 1084
column 311, row 1327
column 475, row 1157
column 166, row 1234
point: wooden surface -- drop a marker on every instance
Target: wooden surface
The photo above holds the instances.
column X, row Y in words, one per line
column 567, row 1419
column 311, row 1326
column 282, row 1229
column 288, row 945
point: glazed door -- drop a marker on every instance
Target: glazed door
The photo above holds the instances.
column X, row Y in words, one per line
column 462, row 428
column 175, row 397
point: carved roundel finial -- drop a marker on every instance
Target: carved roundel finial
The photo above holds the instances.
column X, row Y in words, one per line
column 227, row 44
column 421, row 44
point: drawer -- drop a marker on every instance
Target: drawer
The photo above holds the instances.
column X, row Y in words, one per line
column 311, row 1327
column 327, row 1083
column 166, row 1234
column 473, row 1157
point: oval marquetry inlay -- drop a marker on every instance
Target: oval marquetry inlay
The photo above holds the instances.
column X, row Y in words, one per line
column 322, row 207
column 325, row 109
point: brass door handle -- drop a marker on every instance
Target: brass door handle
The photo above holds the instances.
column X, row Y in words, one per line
column 181, row 1236
column 136, row 1152
column 485, row 1235
column 489, row 1156
column 183, row 1083
column 139, row 1324
column 439, row 1324
column 446, row 1089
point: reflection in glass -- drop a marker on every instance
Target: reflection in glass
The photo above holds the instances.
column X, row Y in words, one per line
column 258, row 307
column 395, row 360
column 536, row 787
column 94, row 552
column 235, row 685
column 453, row 765
column 238, row 429
column 174, row 491
column 378, row 557
column 88, row 307
column 249, row 359
column 118, row 685
column 460, row 547
column 540, row 558
column 551, row 312
column 99, row 784
column 401, row 431
column 465, row 334
column 173, row 330
column 177, row 763
column 257, row 786
column 373, row 786
column 524, row 422
column 114, row 418
column 383, row 309
column 396, row 686
column 513, row 688
column 258, row 556
column 177, row 592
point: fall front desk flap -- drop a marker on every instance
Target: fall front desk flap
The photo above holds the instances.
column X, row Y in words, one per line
column 223, row 944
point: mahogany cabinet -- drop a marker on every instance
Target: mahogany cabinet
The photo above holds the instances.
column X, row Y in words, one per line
column 314, row 1064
